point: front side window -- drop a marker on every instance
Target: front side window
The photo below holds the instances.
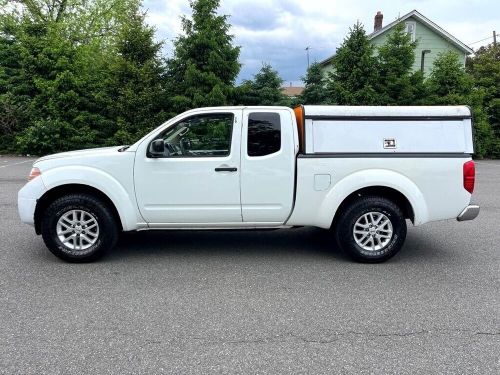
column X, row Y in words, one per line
column 201, row 135
column 264, row 133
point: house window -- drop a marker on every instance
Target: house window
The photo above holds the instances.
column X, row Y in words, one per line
column 410, row 27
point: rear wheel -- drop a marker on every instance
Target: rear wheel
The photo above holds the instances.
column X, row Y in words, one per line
column 79, row 228
column 372, row 229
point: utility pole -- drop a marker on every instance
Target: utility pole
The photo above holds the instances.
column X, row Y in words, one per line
column 307, row 49
column 494, row 38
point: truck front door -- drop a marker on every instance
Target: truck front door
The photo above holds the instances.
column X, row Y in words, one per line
column 197, row 178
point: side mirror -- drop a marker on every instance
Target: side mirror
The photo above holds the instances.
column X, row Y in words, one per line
column 157, row 148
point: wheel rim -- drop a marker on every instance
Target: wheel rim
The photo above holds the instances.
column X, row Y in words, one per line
column 373, row 231
column 77, row 230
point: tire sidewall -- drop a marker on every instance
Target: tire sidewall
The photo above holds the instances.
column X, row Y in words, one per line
column 346, row 238
column 107, row 227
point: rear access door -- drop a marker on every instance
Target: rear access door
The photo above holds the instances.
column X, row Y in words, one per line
column 268, row 150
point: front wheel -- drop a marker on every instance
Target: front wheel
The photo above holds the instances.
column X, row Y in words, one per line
column 79, row 228
column 372, row 229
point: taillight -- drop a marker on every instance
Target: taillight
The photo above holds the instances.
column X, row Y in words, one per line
column 35, row 172
column 469, row 176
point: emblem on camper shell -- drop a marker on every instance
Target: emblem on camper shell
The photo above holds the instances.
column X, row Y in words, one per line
column 389, row 143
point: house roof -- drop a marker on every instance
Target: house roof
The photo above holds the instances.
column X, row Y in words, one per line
column 420, row 17
column 292, row 91
column 427, row 22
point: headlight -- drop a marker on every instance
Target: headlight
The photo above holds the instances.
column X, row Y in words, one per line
column 35, row 172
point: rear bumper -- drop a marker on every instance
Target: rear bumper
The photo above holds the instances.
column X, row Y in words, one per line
column 469, row 213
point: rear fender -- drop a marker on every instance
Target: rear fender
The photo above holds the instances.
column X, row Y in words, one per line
column 369, row 178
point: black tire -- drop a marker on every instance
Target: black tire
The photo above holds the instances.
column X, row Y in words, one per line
column 344, row 229
column 105, row 238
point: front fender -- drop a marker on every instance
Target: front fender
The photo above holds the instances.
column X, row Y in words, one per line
column 100, row 180
column 368, row 178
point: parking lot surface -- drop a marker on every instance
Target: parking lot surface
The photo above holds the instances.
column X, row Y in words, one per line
column 265, row 302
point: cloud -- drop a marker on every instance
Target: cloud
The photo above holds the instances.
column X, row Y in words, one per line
column 278, row 31
column 254, row 16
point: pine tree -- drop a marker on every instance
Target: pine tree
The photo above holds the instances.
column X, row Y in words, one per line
column 397, row 85
column 61, row 111
column 315, row 86
column 15, row 88
column 354, row 75
column 485, row 69
column 450, row 84
column 264, row 89
column 71, row 74
column 205, row 63
column 137, row 87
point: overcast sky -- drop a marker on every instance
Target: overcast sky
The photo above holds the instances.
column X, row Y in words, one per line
column 278, row 31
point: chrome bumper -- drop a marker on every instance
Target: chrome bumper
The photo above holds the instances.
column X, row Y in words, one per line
column 469, row 213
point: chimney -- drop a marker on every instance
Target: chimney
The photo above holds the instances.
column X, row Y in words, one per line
column 379, row 17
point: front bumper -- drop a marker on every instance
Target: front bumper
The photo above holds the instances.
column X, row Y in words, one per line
column 469, row 213
column 27, row 199
column 26, row 208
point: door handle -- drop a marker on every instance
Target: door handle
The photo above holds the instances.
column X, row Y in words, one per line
column 226, row 169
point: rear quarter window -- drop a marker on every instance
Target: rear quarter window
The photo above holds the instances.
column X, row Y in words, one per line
column 264, row 133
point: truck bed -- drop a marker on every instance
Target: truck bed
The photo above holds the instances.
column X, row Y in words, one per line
column 417, row 151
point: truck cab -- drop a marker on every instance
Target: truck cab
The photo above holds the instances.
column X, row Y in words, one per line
column 224, row 166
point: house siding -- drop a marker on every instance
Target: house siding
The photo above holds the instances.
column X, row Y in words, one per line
column 327, row 69
column 426, row 39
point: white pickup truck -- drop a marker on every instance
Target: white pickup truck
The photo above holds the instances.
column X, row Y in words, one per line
column 360, row 171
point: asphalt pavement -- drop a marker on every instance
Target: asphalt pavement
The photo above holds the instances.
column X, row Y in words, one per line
column 268, row 302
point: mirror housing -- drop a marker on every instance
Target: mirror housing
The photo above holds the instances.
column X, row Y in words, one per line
column 157, row 148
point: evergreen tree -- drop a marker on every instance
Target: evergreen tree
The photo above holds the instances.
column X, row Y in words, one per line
column 86, row 73
column 419, row 90
column 264, row 89
column 60, row 110
column 397, row 85
column 15, row 88
column 485, row 69
column 137, row 89
column 450, row 84
column 315, row 86
column 354, row 75
column 73, row 72
column 205, row 63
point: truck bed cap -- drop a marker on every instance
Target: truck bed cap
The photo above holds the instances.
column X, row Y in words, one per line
column 387, row 111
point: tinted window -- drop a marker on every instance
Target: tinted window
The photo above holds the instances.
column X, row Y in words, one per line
column 264, row 134
column 201, row 135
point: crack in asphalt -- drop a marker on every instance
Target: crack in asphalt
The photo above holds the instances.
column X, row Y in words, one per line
column 333, row 337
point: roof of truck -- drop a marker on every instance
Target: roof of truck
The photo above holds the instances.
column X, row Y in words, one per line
column 386, row 111
column 357, row 111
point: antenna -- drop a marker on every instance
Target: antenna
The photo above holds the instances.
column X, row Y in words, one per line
column 307, row 50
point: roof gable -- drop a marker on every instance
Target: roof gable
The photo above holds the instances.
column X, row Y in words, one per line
column 427, row 22
column 421, row 18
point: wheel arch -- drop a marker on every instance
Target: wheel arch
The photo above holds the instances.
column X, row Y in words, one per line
column 389, row 193
column 46, row 199
column 381, row 182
